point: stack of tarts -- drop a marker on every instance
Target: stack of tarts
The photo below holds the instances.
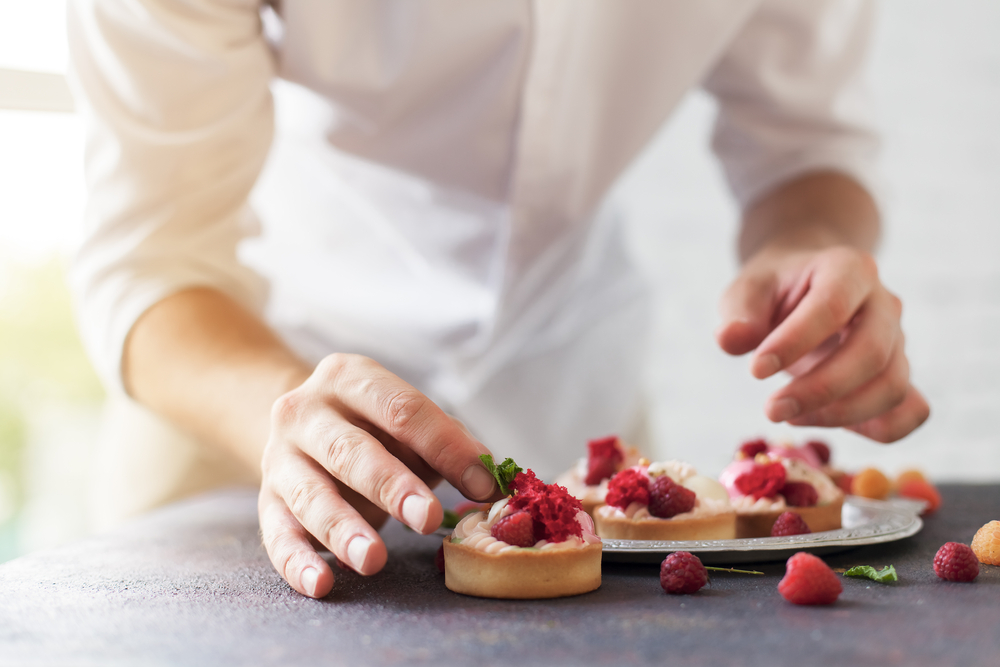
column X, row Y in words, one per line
column 588, row 479
column 666, row 500
column 535, row 543
column 764, row 481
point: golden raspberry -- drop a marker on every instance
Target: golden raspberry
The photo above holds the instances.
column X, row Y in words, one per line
column 909, row 476
column 986, row 543
column 870, row 483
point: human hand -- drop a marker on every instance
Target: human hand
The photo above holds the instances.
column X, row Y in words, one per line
column 350, row 446
column 824, row 316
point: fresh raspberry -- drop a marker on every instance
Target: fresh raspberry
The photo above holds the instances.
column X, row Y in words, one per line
column 667, row 498
column 627, row 487
column 789, row 523
column 439, row 559
column 808, row 580
column 517, row 529
column 870, row 483
column 800, row 494
column 843, row 481
column 551, row 507
column 604, row 455
column 821, row 449
column 752, row 448
column 682, row 573
column 956, row 562
column 764, row 480
column 986, row 543
column 921, row 489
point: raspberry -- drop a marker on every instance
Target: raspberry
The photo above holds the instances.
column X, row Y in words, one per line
column 599, row 468
column 763, row 481
column 956, row 562
column 627, row 487
column 789, row 523
column 752, row 448
column 808, row 580
column 986, row 543
column 439, row 559
column 922, row 490
column 870, row 483
column 517, row 529
column 551, row 507
column 667, row 498
column 800, row 494
column 821, row 449
column 682, row 573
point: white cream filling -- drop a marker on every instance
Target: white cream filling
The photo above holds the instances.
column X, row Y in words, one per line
column 795, row 471
column 474, row 531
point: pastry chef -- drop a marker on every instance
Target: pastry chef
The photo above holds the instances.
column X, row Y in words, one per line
column 333, row 247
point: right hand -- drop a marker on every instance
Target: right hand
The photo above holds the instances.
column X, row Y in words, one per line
column 350, row 446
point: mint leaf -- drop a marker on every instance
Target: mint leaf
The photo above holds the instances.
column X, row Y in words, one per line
column 504, row 473
column 450, row 519
column 883, row 576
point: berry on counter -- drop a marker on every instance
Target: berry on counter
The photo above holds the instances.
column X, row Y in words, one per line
column 921, row 489
column 682, row 573
column 439, row 559
column 789, row 523
column 517, row 529
column 870, row 483
column 800, row 494
column 808, row 580
column 956, row 562
column 667, row 498
column 986, row 543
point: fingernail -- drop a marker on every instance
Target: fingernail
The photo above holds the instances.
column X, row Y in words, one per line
column 415, row 511
column 308, row 579
column 357, row 552
column 783, row 408
column 478, row 482
column 766, row 366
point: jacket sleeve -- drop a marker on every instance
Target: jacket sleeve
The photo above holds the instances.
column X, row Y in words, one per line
column 792, row 98
column 178, row 112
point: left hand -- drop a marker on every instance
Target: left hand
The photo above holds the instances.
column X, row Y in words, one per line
column 823, row 315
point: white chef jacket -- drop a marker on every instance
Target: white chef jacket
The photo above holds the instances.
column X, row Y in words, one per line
column 431, row 191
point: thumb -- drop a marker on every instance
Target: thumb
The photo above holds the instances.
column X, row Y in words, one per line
column 746, row 308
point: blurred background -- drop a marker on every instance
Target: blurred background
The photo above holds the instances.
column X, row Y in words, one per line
column 935, row 68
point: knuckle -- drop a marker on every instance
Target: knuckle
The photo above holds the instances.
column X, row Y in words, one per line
column 342, row 451
column 838, row 307
column 401, row 409
column 288, row 407
column 302, row 494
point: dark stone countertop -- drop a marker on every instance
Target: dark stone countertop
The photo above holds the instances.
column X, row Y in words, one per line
column 191, row 585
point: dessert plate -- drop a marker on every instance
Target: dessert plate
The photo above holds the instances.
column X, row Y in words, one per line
column 865, row 522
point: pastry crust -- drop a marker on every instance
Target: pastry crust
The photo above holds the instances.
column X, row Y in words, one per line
column 818, row 518
column 720, row 526
column 522, row 574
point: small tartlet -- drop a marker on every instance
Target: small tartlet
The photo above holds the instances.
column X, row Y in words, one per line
column 564, row 556
column 588, row 479
column 631, row 512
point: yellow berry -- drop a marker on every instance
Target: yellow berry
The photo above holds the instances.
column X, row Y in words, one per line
column 986, row 543
column 870, row 483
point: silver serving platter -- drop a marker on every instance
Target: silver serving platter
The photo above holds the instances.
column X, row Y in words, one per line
column 865, row 522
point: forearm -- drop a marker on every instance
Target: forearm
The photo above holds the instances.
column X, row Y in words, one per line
column 813, row 211
column 212, row 367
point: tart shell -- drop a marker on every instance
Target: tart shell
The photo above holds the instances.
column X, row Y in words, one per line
column 818, row 518
column 720, row 526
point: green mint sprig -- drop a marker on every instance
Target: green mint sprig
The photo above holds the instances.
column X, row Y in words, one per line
column 503, row 473
column 884, row 576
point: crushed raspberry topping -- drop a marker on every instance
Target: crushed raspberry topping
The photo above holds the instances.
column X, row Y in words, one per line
column 604, row 455
column 762, row 481
column 627, row 487
column 752, row 448
column 551, row 507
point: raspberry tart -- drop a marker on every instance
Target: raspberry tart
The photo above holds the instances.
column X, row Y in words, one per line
column 535, row 543
column 666, row 500
column 765, row 483
column 588, row 479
